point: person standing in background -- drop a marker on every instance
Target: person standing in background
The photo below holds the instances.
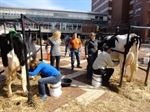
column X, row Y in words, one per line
column 55, row 42
column 79, row 37
column 91, row 53
column 67, row 39
column 74, row 45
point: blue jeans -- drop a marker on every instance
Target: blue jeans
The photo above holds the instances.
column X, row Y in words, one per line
column 42, row 83
column 66, row 49
column 90, row 60
column 73, row 54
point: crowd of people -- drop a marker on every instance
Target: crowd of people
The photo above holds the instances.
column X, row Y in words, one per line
column 96, row 63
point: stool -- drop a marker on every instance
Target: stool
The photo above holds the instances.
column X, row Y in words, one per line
column 96, row 80
column 55, row 89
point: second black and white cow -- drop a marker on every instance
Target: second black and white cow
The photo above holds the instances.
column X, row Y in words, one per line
column 13, row 57
column 118, row 43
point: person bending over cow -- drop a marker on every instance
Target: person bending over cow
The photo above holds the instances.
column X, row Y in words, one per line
column 100, row 65
column 49, row 75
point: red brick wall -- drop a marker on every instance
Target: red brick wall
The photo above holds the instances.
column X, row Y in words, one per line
column 120, row 14
column 87, row 29
column 143, row 16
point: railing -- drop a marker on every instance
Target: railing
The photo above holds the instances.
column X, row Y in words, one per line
column 21, row 20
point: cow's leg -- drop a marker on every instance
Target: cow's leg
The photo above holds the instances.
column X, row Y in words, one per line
column 125, row 71
column 132, row 69
column 130, row 61
column 23, row 80
column 8, row 81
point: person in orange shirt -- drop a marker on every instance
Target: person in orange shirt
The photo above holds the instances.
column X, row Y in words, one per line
column 74, row 45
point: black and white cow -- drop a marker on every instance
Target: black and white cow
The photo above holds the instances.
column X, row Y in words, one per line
column 118, row 43
column 13, row 57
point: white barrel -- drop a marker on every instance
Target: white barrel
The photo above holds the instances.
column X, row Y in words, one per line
column 97, row 77
column 96, row 84
column 146, row 60
column 55, row 85
column 56, row 92
column 55, row 89
column 96, row 80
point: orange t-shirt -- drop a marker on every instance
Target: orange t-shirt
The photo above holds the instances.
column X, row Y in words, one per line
column 75, row 43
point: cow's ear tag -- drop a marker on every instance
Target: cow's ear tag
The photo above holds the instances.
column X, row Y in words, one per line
column 12, row 33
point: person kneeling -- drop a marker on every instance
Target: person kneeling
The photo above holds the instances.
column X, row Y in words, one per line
column 101, row 63
column 49, row 75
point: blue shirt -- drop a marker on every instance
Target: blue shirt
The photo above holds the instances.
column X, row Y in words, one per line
column 45, row 69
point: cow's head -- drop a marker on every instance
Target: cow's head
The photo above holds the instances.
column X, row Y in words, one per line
column 10, row 41
column 111, row 41
column 133, row 39
column 136, row 38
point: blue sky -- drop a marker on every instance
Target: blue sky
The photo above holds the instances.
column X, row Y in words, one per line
column 72, row 5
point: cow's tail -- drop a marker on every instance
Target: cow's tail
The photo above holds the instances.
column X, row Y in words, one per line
column 136, row 43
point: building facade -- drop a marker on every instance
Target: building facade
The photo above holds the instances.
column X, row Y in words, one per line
column 125, row 11
column 65, row 21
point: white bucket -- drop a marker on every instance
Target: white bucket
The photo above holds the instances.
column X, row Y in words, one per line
column 97, row 77
column 146, row 60
column 96, row 80
column 55, row 89
column 55, row 92
column 95, row 83
column 55, row 85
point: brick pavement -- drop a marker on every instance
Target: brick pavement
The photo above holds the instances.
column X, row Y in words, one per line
column 90, row 93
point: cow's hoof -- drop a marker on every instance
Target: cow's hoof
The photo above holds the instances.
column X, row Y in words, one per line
column 32, row 78
column 128, row 80
column 9, row 95
column 25, row 94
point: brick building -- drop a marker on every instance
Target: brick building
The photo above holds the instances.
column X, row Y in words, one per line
column 67, row 22
column 125, row 11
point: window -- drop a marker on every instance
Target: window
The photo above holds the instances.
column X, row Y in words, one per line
column 137, row 10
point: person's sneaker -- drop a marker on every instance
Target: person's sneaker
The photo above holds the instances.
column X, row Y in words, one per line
column 104, row 83
column 88, row 77
column 79, row 66
column 42, row 98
